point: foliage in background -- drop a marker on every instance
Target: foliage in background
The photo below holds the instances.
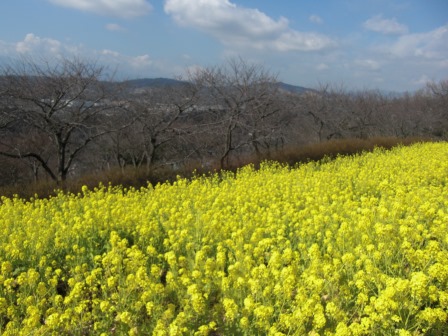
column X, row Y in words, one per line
column 62, row 120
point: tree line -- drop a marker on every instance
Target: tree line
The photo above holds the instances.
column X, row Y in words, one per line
column 66, row 118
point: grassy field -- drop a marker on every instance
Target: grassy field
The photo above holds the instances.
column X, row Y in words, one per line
column 351, row 246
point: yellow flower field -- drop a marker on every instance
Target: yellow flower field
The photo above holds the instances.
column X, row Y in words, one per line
column 353, row 246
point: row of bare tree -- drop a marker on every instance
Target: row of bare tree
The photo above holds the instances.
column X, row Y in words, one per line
column 65, row 118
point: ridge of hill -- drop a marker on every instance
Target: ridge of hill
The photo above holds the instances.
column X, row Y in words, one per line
column 164, row 82
column 152, row 82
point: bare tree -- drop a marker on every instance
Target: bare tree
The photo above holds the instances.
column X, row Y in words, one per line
column 62, row 103
column 160, row 128
column 243, row 97
column 438, row 106
column 365, row 115
column 327, row 111
column 439, row 90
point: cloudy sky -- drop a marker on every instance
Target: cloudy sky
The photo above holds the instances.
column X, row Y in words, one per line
column 365, row 44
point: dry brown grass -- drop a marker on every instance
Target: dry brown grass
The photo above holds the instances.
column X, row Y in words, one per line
column 139, row 177
column 333, row 148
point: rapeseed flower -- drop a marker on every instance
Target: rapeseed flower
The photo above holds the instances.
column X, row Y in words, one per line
column 353, row 246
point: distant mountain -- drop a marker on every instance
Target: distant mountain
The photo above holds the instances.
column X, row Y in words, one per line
column 294, row 88
column 164, row 82
column 152, row 82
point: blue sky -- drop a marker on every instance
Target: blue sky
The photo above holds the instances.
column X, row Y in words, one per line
column 362, row 44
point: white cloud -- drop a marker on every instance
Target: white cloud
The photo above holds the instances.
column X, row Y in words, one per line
column 114, row 27
column 114, row 57
column 218, row 14
column 443, row 63
column 107, row 52
column 48, row 49
column 322, row 66
column 243, row 27
column 368, row 64
column 422, row 80
column 5, row 48
column 192, row 69
column 36, row 44
column 141, row 61
column 385, row 26
column 316, row 19
column 431, row 45
column 118, row 8
column 127, row 64
column 294, row 40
